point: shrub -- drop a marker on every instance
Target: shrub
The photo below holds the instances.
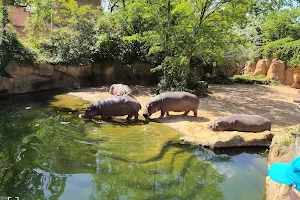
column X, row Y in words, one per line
column 286, row 49
column 12, row 48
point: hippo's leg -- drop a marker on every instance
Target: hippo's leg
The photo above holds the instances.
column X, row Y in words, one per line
column 162, row 114
column 129, row 116
column 186, row 112
column 195, row 112
column 168, row 113
column 136, row 116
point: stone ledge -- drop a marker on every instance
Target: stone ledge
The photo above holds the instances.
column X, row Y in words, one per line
column 281, row 152
column 231, row 139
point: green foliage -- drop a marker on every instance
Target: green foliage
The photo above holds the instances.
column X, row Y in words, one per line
column 288, row 140
column 286, row 49
column 67, row 34
column 281, row 24
column 10, row 45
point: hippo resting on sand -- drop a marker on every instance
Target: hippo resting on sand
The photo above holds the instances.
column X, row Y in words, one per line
column 242, row 123
column 172, row 101
column 115, row 106
column 120, row 90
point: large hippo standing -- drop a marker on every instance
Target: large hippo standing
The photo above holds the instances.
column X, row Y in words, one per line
column 120, row 90
column 115, row 106
column 242, row 122
column 172, row 101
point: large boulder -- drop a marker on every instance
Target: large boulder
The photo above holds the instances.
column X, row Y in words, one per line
column 262, row 67
column 276, row 71
column 46, row 69
column 29, row 83
column 79, row 71
column 289, row 79
column 296, row 78
column 17, row 69
column 63, row 80
column 5, row 84
column 201, row 88
column 34, row 82
column 281, row 150
column 61, row 68
column 250, row 68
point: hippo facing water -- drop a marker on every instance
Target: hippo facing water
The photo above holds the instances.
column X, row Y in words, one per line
column 115, row 106
column 241, row 122
column 172, row 101
column 120, row 90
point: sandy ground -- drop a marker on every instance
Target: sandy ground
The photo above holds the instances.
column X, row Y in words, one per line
column 273, row 102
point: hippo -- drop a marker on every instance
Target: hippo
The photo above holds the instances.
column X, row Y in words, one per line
column 115, row 106
column 297, row 100
column 120, row 90
column 172, row 101
column 242, row 123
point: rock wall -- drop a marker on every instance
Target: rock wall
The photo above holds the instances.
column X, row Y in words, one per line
column 262, row 67
column 29, row 77
column 281, row 151
column 250, row 68
column 275, row 70
column 110, row 71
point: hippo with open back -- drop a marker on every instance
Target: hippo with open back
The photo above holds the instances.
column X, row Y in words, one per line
column 120, row 90
column 115, row 106
column 242, row 123
column 172, row 101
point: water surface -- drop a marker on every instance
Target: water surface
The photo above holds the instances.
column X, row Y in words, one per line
column 47, row 152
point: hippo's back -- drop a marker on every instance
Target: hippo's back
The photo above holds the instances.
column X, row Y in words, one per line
column 118, row 106
column 248, row 123
column 120, row 89
column 177, row 96
column 177, row 101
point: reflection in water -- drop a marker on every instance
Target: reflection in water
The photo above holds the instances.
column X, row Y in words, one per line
column 43, row 158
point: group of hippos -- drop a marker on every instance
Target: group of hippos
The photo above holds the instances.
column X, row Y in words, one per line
column 123, row 103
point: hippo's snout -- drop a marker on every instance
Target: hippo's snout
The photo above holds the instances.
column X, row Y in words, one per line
column 213, row 127
column 146, row 115
column 83, row 116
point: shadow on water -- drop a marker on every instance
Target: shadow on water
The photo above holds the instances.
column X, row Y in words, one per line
column 48, row 152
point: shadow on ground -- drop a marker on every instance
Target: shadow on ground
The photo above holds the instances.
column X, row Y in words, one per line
column 254, row 99
column 180, row 118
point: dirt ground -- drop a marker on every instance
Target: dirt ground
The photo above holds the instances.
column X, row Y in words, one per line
column 272, row 102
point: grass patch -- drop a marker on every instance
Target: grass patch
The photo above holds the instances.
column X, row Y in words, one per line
column 243, row 79
column 288, row 140
column 295, row 130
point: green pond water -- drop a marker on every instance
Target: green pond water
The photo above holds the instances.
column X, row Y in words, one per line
column 48, row 152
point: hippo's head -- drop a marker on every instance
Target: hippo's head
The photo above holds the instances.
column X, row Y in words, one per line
column 111, row 89
column 218, row 126
column 90, row 112
column 150, row 109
